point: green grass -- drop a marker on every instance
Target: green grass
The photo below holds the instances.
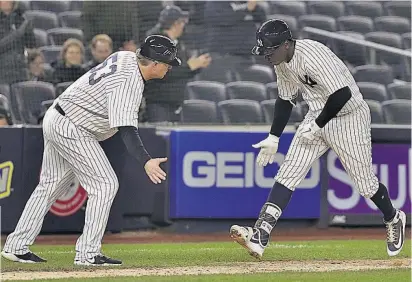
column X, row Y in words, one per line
column 364, row 276
column 195, row 254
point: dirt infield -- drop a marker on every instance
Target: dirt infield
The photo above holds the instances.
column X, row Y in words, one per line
column 238, row 268
column 298, row 234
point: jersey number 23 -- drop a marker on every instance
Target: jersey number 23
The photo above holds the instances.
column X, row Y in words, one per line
column 108, row 67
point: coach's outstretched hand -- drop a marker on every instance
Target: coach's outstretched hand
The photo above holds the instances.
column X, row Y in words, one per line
column 153, row 170
column 268, row 149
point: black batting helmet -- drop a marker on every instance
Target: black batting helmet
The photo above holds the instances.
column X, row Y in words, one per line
column 270, row 35
column 160, row 48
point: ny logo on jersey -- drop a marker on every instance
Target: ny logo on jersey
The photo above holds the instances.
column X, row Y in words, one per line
column 308, row 81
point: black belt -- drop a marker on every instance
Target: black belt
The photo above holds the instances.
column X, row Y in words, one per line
column 59, row 109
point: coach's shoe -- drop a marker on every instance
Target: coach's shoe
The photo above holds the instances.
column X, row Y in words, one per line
column 395, row 233
column 99, row 260
column 26, row 258
column 249, row 238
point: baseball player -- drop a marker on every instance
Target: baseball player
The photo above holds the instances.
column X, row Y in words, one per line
column 338, row 119
column 102, row 102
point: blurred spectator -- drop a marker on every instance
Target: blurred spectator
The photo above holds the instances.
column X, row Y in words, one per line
column 69, row 67
column 195, row 9
column 16, row 34
column 117, row 19
column 129, row 45
column 101, row 47
column 165, row 97
column 231, row 26
column 37, row 70
column 5, row 117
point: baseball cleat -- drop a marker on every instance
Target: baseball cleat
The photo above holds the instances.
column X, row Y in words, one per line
column 248, row 238
column 26, row 258
column 99, row 260
column 395, row 233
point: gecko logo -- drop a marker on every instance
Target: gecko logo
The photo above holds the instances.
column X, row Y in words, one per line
column 202, row 169
column 6, row 174
column 71, row 201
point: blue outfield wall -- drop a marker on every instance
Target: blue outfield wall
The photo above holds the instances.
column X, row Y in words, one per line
column 211, row 175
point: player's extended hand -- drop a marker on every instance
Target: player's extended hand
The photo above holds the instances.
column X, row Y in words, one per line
column 268, row 149
column 310, row 130
column 153, row 170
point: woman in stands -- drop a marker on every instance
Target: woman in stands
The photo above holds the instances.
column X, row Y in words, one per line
column 69, row 67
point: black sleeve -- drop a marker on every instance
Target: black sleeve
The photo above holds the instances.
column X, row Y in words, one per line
column 134, row 144
column 333, row 105
column 283, row 109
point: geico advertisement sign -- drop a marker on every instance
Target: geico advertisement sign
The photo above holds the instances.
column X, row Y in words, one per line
column 392, row 175
column 203, row 169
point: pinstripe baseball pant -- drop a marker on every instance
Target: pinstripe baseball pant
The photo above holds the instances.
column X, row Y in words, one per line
column 349, row 136
column 69, row 152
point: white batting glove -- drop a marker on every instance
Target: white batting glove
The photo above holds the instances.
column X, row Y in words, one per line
column 310, row 130
column 268, row 149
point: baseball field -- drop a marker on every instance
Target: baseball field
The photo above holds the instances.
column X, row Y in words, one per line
column 348, row 255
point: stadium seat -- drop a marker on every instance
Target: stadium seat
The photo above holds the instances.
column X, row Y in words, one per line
column 41, row 37
column 206, row 90
column 373, row 73
column 355, row 24
column 57, row 36
column 354, row 54
column 199, row 111
column 399, row 8
column 5, row 104
column 392, row 24
column 51, row 53
column 28, row 96
column 389, row 39
column 51, row 6
column 246, row 90
column 5, row 90
column 76, row 5
column 272, row 90
column 291, row 21
column 373, row 91
column 71, row 19
column 42, row 19
column 239, row 111
column 317, row 21
column 328, row 8
column 46, row 104
column 397, row 111
column 406, row 38
column 364, row 8
column 61, row 87
column 268, row 107
column 24, row 5
column 216, row 72
column 293, row 8
column 406, row 68
column 400, row 91
column 257, row 73
column 376, row 111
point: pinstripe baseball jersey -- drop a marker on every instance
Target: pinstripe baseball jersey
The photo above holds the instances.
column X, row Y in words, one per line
column 317, row 72
column 106, row 97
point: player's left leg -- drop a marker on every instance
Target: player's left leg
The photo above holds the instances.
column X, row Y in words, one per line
column 298, row 161
column 350, row 137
